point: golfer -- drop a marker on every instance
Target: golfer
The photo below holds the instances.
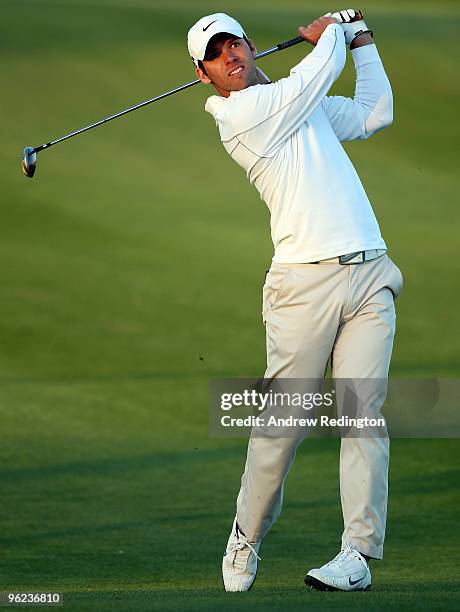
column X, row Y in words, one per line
column 329, row 294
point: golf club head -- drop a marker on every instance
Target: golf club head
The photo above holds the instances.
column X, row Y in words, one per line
column 29, row 162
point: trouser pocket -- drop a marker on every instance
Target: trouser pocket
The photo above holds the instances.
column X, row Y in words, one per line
column 271, row 291
column 396, row 281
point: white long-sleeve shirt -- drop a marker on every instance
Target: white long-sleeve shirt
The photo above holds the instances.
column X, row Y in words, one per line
column 286, row 135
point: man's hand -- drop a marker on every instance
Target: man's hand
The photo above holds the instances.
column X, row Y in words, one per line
column 353, row 25
column 313, row 32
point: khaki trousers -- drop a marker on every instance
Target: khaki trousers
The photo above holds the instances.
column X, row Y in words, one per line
column 314, row 312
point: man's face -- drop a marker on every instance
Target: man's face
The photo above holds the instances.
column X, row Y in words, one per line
column 228, row 64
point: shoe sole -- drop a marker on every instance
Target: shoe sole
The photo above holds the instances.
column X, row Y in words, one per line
column 317, row 585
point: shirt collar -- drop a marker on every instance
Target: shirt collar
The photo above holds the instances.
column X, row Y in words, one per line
column 215, row 103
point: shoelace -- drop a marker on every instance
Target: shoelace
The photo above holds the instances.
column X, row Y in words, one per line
column 242, row 543
column 340, row 559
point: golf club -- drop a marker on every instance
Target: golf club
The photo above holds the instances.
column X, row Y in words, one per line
column 29, row 158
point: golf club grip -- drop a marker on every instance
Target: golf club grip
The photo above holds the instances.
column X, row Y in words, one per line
column 290, row 43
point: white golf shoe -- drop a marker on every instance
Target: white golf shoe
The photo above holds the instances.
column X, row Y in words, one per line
column 348, row 571
column 239, row 565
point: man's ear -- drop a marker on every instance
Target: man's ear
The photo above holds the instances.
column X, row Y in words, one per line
column 202, row 76
column 252, row 47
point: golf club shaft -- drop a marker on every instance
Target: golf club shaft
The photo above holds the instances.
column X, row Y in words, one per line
column 278, row 47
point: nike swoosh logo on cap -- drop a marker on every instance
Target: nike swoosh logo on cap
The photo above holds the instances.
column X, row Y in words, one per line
column 353, row 582
column 209, row 24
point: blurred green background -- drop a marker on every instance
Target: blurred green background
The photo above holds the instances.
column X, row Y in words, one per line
column 132, row 267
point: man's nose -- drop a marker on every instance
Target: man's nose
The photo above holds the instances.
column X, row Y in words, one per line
column 230, row 56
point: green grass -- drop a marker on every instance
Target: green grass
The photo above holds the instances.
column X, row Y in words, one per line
column 132, row 269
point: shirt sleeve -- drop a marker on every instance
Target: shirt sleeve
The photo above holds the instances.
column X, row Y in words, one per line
column 371, row 109
column 264, row 116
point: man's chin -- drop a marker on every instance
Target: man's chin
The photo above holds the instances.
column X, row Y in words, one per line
column 242, row 86
column 238, row 85
column 234, row 85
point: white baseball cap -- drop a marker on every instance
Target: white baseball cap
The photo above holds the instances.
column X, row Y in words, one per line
column 201, row 33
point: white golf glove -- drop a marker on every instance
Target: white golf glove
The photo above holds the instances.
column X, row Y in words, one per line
column 352, row 23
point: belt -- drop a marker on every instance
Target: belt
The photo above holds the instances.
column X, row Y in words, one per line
column 354, row 258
